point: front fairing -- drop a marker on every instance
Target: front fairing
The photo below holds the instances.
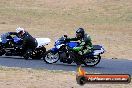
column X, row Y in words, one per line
column 57, row 45
column 54, row 50
column 62, row 39
column 61, row 42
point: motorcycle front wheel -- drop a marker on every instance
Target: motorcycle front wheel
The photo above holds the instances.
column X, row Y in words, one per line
column 50, row 57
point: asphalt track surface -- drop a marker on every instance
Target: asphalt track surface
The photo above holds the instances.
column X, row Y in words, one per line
column 108, row 66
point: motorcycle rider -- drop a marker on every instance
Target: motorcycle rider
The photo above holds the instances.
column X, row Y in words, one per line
column 29, row 43
column 85, row 44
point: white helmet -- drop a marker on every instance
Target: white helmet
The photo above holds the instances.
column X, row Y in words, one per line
column 19, row 29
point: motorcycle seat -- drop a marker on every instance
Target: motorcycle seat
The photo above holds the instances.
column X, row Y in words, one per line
column 97, row 47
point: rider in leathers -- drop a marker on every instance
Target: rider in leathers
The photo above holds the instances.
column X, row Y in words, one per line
column 85, row 44
column 29, row 43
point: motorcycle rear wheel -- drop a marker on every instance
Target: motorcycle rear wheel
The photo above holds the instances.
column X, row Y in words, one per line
column 91, row 62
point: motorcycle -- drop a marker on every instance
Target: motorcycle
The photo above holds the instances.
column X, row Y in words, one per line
column 64, row 52
column 9, row 46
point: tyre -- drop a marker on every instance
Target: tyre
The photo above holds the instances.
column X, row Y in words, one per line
column 91, row 62
column 50, row 57
column 38, row 54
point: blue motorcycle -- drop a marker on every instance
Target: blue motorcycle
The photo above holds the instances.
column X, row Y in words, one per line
column 10, row 45
column 64, row 52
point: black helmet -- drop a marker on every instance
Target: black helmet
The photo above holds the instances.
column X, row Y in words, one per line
column 80, row 33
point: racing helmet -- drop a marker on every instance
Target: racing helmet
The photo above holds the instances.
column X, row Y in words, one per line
column 80, row 33
column 19, row 30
